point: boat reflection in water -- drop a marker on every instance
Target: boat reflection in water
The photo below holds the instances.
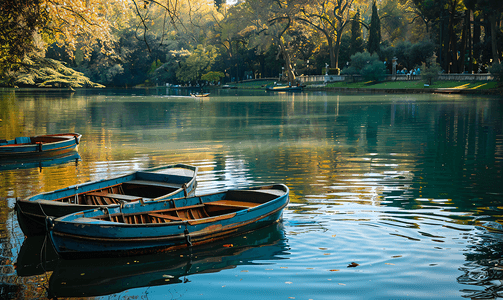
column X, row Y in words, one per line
column 104, row 276
column 39, row 162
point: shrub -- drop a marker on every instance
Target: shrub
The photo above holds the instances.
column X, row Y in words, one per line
column 497, row 71
column 374, row 71
column 431, row 72
column 369, row 66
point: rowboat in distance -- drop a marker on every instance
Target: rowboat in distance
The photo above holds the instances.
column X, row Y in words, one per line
column 197, row 95
column 284, row 88
column 155, row 226
column 42, row 145
column 173, row 181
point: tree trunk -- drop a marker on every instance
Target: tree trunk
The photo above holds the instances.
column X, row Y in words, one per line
column 470, row 43
column 492, row 20
column 464, row 37
column 332, row 52
column 288, row 62
column 476, row 41
column 453, row 51
column 337, row 50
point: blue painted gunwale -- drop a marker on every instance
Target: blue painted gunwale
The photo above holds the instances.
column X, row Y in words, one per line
column 50, row 144
column 33, row 210
column 81, row 234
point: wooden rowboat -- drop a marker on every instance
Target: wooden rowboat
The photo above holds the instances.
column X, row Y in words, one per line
column 152, row 226
column 200, row 95
column 42, row 145
column 173, row 181
column 284, row 88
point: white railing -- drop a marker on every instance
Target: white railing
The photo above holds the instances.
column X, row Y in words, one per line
column 397, row 77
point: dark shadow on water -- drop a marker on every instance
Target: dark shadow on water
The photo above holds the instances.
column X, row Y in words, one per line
column 104, row 276
column 483, row 271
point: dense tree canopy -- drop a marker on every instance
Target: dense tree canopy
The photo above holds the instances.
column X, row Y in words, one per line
column 125, row 43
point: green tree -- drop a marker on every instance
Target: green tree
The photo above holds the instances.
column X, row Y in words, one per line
column 20, row 20
column 374, row 40
column 431, row 70
column 367, row 65
column 213, row 76
column 356, row 44
column 199, row 61
column 330, row 18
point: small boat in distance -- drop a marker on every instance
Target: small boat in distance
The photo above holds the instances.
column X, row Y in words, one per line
column 42, row 145
column 284, row 88
column 155, row 226
column 173, row 181
column 200, row 95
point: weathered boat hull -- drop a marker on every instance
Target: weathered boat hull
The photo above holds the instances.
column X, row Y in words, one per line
column 88, row 233
column 32, row 211
column 39, row 146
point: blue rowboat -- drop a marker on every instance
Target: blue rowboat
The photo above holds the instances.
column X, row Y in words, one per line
column 173, row 181
column 42, row 145
column 153, row 226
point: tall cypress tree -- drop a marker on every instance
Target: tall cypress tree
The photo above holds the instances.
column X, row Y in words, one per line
column 356, row 43
column 375, row 31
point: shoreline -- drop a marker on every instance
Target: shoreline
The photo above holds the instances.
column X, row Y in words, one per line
column 409, row 91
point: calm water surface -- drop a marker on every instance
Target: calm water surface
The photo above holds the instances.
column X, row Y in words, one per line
column 392, row 196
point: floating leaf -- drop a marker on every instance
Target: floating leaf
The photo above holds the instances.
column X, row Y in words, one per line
column 334, row 270
column 168, row 276
column 389, row 264
column 396, row 256
column 342, row 284
column 244, row 271
column 334, row 235
column 288, row 282
column 228, row 245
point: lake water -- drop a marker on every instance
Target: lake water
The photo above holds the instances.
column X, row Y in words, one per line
column 392, row 196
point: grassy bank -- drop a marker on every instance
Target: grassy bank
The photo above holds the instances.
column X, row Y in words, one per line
column 412, row 85
column 417, row 84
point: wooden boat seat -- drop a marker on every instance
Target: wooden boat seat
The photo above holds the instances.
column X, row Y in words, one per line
column 233, row 203
column 168, row 217
column 155, row 183
column 104, row 198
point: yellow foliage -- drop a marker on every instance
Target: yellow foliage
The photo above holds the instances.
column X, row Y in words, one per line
column 84, row 22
